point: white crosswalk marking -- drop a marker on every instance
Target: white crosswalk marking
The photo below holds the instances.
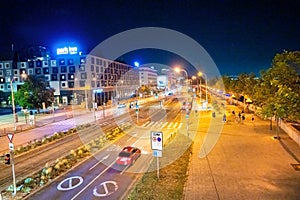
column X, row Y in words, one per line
column 165, row 124
column 144, row 125
column 162, row 124
column 169, row 126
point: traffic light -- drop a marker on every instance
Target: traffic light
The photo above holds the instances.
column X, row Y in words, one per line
column 7, row 159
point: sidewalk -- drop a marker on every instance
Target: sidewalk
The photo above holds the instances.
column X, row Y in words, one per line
column 246, row 163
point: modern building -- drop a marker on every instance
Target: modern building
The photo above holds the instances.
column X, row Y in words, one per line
column 76, row 78
column 148, row 76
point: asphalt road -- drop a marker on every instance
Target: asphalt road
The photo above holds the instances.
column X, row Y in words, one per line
column 100, row 176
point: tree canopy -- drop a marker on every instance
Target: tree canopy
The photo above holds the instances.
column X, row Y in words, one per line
column 276, row 91
column 34, row 92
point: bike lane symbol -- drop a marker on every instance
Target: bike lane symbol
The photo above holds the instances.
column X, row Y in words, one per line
column 106, row 188
column 70, row 183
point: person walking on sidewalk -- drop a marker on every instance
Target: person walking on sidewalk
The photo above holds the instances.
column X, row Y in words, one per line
column 224, row 117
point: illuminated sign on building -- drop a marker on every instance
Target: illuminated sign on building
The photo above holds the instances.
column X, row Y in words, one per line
column 66, row 50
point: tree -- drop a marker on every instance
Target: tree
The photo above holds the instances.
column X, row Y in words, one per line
column 280, row 87
column 34, row 92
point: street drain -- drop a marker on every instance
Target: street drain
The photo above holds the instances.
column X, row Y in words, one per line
column 296, row 167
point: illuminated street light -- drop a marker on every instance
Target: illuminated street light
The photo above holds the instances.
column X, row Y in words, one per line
column 137, row 64
column 201, row 74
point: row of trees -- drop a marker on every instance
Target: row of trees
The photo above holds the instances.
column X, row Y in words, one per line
column 276, row 91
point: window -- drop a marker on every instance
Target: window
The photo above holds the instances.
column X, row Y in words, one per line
column 83, row 76
column 16, row 72
column 2, row 87
column 97, row 69
column 38, row 63
column 97, row 61
column 46, row 70
column 63, row 77
column 30, row 71
column 1, row 73
column 82, row 60
column 71, row 69
column 92, row 68
column 53, row 77
column 63, row 69
column 31, row 64
column 38, row 71
column 54, row 70
column 53, row 63
column 70, row 76
column 2, row 80
column 7, row 65
column 23, row 65
column 1, row 66
column 45, row 63
column 82, row 83
column 92, row 60
column 70, row 62
column 93, row 83
column 71, row 84
column 82, row 68
column 61, row 61
column 63, row 84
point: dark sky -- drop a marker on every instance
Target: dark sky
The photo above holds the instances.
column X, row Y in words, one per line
column 240, row 36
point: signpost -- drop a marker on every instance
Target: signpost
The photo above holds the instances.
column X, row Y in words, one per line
column 157, row 146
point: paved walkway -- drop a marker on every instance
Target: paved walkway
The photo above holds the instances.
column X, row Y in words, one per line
column 246, row 162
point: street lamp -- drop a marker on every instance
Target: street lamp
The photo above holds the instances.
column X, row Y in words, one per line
column 178, row 70
column 201, row 74
column 13, row 103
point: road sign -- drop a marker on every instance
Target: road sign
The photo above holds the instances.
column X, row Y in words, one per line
column 10, row 136
column 157, row 153
column 11, row 146
column 156, row 140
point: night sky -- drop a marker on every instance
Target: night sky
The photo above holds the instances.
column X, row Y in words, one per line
column 240, row 36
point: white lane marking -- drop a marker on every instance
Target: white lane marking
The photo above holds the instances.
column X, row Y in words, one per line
column 92, row 181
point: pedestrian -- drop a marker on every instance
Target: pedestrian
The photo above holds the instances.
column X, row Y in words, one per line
column 213, row 114
column 224, row 117
column 252, row 118
column 243, row 117
column 240, row 115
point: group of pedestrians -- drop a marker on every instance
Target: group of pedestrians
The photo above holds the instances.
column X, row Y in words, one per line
column 241, row 117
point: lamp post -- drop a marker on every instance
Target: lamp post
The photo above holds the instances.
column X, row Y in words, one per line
column 13, row 103
column 178, row 70
column 201, row 74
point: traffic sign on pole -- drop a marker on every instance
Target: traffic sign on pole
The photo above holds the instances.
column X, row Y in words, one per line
column 10, row 136
column 156, row 140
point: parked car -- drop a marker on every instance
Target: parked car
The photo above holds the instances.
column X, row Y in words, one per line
column 128, row 155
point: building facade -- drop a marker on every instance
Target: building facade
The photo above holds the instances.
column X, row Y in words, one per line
column 76, row 78
column 148, row 77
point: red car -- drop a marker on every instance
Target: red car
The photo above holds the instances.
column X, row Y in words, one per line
column 128, row 155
